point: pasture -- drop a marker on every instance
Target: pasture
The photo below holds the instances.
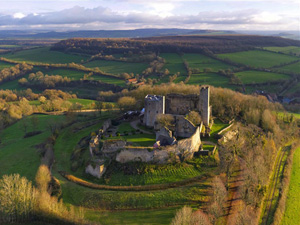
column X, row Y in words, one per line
column 174, row 64
column 201, row 62
column 255, row 77
column 72, row 74
column 44, row 55
column 210, row 79
column 115, row 67
column 257, row 58
column 294, row 89
column 19, row 154
column 291, row 215
column 292, row 50
column 294, row 68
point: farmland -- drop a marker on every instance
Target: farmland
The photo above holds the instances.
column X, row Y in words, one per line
column 202, row 62
column 211, row 79
column 294, row 68
column 251, row 77
column 115, row 67
column 291, row 215
column 257, row 58
column 44, row 55
column 174, row 63
column 287, row 50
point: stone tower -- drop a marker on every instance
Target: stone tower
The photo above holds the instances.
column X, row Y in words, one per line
column 204, row 106
column 154, row 105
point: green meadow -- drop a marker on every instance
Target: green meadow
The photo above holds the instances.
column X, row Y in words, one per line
column 286, row 50
column 210, row 79
column 174, row 64
column 258, row 58
column 294, row 68
column 250, row 77
column 291, row 215
column 44, row 55
column 202, row 62
column 115, row 67
column 19, row 154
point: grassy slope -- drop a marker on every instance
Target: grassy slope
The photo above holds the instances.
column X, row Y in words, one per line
column 249, row 77
column 18, row 154
column 201, row 62
column 291, row 215
column 115, row 67
column 258, row 58
column 44, row 55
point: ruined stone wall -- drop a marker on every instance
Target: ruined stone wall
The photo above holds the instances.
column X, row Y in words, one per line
column 184, row 149
column 184, row 127
column 178, row 104
column 154, row 105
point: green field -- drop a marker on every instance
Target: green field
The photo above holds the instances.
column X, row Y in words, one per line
column 18, row 154
column 174, row 64
column 72, row 74
column 287, row 50
column 211, row 79
column 252, row 77
column 115, row 67
column 109, row 80
column 257, row 58
column 44, row 55
column 202, row 62
column 291, row 215
column 294, row 68
column 5, row 65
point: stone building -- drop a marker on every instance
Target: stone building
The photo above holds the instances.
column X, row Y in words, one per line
column 177, row 104
column 154, row 105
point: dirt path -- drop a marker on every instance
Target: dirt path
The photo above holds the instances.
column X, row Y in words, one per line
column 234, row 202
column 134, row 124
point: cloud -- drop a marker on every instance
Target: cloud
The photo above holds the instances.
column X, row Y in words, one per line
column 106, row 18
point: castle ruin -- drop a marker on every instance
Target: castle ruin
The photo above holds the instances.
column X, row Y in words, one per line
column 177, row 104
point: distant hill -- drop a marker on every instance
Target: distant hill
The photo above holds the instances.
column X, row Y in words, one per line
column 109, row 33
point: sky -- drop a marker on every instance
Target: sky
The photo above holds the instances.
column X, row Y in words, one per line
column 265, row 15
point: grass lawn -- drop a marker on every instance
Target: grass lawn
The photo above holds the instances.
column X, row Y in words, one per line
column 146, row 140
column 294, row 68
column 201, row 62
column 218, row 126
column 18, row 154
column 211, row 79
column 251, row 77
column 44, row 55
column 291, row 215
column 286, row 50
column 257, row 58
column 87, row 103
column 115, row 67
column 125, row 127
column 5, row 65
